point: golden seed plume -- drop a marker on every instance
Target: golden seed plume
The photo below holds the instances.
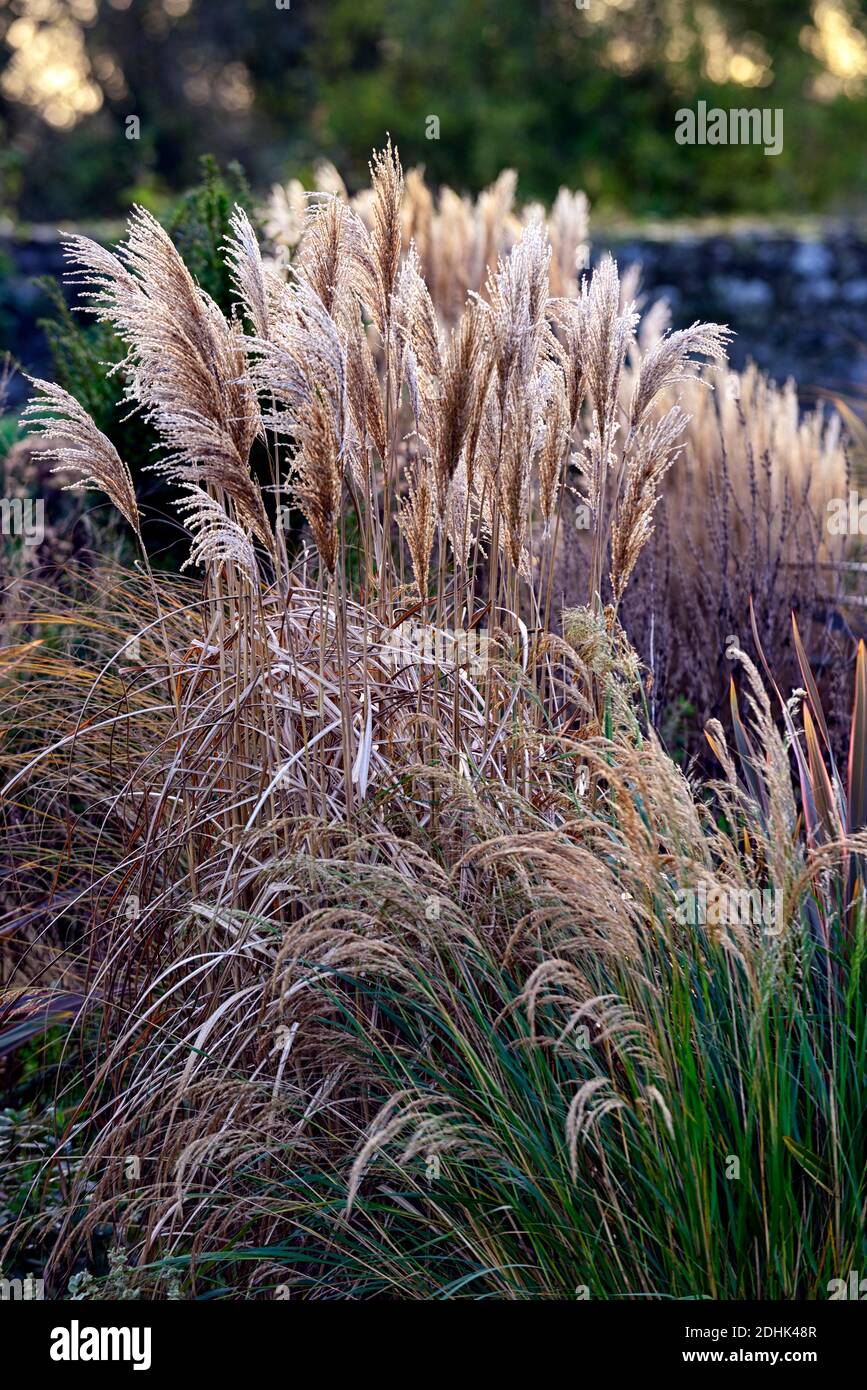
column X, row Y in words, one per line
column 53, row 413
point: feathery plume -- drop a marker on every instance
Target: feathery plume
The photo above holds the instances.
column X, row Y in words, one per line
column 302, row 359
column 652, row 449
column 568, row 347
column 671, row 359
column 363, row 391
column 568, row 232
column 417, row 520
column 554, row 443
column 56, row 414
column 185, row 363
column 518, row 295
column 415, row 319
column 417, row 218
column 333, row 250
column 609, row 334
column 386, row 176
column 318, row 482
column 458, row 526
column 244, row 261
column 464, row 382
column 522, row 436
column 416, row 338
column 217, row 539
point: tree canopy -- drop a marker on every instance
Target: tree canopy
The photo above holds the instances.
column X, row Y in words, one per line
column 575, row 92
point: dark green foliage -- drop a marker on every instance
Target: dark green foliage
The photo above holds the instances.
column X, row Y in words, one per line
column 40, row 1089
column 199, row 226
column 80, row 352
column 6, row 318
column 581, row 96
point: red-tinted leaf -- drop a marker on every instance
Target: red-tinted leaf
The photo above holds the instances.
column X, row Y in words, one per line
column 25, row 1016
column 857, row 786
column 810, row 685
column 749, row 760
column 823, row 792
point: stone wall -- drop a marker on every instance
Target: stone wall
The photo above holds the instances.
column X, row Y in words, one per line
column 797, row 300
column 22, row 261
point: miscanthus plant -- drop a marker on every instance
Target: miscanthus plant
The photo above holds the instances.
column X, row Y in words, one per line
column 381, row 986
column 457, row 239
column 442, row 450
column 744, row 519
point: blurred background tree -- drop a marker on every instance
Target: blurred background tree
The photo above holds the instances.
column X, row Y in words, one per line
column 567, row 95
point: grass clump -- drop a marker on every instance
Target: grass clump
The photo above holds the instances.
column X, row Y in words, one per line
column 376, row 935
